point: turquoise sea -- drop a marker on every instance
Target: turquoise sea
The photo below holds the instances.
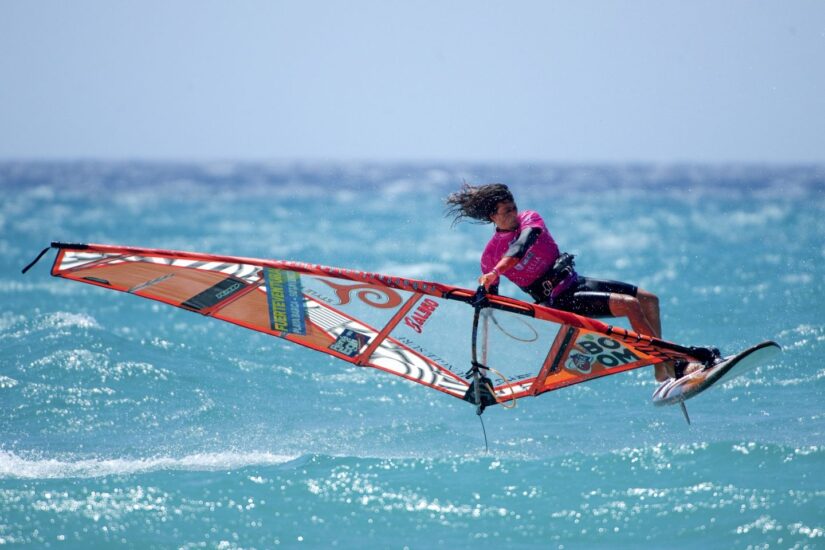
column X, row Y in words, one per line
column 124, row 422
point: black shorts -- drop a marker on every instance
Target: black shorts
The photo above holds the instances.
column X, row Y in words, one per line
column 591, row 297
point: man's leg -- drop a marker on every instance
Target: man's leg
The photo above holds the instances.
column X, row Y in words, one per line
column 650, row 306
column 643, row 314
column 624, row 305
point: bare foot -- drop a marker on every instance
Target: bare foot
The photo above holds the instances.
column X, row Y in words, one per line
column 668, row 369
column 693, row 367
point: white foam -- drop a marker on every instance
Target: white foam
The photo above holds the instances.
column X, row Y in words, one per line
column 63, row 319
column 16, row 467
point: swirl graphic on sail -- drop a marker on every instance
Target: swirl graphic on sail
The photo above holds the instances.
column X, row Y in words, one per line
column 372, row 295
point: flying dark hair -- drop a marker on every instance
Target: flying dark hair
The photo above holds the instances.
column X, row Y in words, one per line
column 477, row 202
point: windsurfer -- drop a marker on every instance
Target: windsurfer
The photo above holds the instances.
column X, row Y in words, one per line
column 524, row 251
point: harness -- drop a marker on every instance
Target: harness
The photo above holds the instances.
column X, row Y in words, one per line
column 555, row 281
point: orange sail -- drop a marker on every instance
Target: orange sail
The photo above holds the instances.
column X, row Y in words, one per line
column 419, row 330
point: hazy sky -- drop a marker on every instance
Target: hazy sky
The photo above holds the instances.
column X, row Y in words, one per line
column 579, row 81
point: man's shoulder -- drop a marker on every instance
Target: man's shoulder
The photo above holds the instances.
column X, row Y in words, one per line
column 530, row 218
column 495, row 247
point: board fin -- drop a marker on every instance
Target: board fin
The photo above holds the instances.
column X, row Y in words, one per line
column 684, row 411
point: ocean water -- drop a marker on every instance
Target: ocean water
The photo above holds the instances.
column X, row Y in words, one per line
column 128, row 423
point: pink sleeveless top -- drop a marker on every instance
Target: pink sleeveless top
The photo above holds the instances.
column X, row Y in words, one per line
column 536, row 261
